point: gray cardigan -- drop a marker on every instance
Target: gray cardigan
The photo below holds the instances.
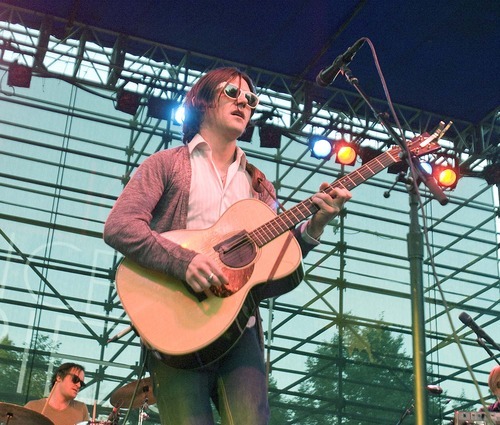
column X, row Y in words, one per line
column 154, row 201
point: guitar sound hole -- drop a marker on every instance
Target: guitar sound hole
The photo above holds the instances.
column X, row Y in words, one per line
column 237, row 251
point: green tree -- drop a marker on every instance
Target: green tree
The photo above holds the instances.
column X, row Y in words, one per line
column 9, row 368
column 358, row 378
column 39, row 365
column 14, row 366
column 280, row 406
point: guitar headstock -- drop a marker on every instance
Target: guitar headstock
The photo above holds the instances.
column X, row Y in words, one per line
column 421, row 145
column 425, row 143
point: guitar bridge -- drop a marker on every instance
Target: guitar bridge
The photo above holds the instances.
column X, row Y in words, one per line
column 237, row 251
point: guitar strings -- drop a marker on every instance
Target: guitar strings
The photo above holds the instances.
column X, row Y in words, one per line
column 285, row 221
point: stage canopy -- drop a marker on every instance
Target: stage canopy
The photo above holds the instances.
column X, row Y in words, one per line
column 440, row 57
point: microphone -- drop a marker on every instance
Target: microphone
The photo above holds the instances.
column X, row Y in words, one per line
column 328, row 75
column 430, row 182
column 469, row 321
column 434, row 389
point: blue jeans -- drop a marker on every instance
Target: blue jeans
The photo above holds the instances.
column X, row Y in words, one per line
column 236, row 383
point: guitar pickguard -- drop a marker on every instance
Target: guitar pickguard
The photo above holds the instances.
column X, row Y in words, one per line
column 237, row 279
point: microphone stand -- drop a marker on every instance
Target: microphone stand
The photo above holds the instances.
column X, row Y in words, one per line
column 481, row 342
column 415, row 256
column 412, row 160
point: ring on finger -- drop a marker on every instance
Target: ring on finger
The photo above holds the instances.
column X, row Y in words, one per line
column 209, row 278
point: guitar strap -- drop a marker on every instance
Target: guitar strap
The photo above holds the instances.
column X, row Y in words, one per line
column 257, row 178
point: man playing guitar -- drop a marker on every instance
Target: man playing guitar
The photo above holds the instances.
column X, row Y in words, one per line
column 169, row 219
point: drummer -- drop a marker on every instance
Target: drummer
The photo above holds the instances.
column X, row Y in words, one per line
column 60, row 406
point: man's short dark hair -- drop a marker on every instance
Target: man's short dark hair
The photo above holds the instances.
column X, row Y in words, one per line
column 64, row 370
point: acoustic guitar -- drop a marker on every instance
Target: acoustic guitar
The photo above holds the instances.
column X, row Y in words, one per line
column 255, row 249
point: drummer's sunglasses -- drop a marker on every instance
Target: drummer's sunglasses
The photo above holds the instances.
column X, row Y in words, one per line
column 76, row 379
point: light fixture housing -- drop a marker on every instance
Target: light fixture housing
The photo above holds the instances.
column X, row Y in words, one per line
column 444, row 168
column 491, row 173
column 19, row 75
column 127, row 101
column 270, row 136
column 163, row 109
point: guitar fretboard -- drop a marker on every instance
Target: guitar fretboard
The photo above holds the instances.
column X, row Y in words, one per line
column 290, row 218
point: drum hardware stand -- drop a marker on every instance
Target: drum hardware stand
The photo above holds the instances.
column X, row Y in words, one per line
column 121, row 334
column 142, row 411
column 408, row 410
column 145, row 389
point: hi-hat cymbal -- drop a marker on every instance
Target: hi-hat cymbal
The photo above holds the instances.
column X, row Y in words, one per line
column 18, row 415
column 122, row 397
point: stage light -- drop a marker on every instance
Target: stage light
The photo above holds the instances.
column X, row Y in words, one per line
column 367, row 153
column 127, row 101
column 346, row 153
column 446, row 176
column 19, row 75
column 180, row 114
column 444, row 169
column 398, row 167
column 427, row 167
column 491, row 173
column 270, row 136
column 163, row 109
column 320, row 147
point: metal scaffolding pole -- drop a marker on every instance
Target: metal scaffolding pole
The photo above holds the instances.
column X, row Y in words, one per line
column 415, row 256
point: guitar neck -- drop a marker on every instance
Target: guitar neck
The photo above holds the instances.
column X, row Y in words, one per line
column 290, row 218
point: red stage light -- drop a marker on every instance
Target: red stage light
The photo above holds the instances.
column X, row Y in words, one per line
column 346, row 153
column 446, row 176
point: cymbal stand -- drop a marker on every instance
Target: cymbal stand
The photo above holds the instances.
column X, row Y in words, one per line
column 408, row 410
column 142, row 411
column 145, row 403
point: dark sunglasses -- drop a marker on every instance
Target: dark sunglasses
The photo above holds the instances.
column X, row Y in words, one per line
column 234, row 92
column 76, row 380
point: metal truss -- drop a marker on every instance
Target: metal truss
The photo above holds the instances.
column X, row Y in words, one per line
column 362, row 255
column 94, row 57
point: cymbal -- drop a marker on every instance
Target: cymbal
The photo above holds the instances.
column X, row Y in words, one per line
column 18, row 415
column 122, row 397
